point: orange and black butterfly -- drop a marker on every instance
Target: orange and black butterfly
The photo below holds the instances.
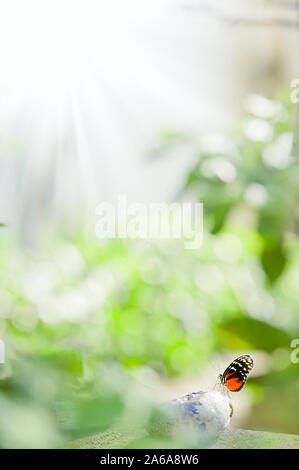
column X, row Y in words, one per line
column 235, row 376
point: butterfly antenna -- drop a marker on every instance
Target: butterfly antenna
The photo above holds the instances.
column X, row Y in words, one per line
column 215, row 368
column 213, row 365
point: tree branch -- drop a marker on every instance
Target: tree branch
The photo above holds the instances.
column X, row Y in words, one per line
column 232, row 20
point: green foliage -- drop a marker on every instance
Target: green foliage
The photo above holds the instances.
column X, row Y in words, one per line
column 85, row 320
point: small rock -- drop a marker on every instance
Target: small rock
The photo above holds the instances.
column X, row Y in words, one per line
column 203, row 413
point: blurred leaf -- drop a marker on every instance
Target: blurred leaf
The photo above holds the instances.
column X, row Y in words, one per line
column 92, row 415
column 273, row 259
column 258, row 334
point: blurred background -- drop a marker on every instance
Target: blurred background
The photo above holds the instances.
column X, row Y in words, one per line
column 161, row 101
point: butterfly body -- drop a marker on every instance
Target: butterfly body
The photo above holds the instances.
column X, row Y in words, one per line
column 235, row 375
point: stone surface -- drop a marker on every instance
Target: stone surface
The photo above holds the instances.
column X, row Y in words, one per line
column 243, row 439
column 205, row 412
column 229, row 439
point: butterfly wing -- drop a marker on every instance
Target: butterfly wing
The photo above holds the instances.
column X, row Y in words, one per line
column 235, row 375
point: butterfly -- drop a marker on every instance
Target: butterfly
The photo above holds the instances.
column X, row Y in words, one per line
column 235, row 375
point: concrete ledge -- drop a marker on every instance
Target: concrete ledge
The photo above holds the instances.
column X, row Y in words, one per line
column 229, row 439
column 243, row 439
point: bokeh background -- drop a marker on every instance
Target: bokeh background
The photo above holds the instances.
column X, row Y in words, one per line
column 161, row 101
